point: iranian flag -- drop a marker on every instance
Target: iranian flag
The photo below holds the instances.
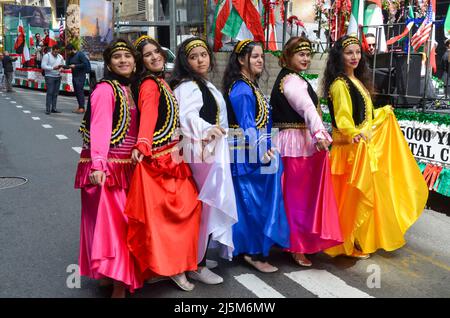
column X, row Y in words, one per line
column 373, row 16
column 20, row 44
column 447, row 24
column 357, row 17
column 220, row 19
column 30, row 36
column 51, row 38
column 244, row 21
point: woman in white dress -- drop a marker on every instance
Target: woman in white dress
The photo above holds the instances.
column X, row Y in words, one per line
column 204, row 124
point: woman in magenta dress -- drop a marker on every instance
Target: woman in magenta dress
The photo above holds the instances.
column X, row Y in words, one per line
column 303, row 142
column 109, row 131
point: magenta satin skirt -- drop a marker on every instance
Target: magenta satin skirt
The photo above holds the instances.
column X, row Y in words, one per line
column 103, row 238
column 310, row 203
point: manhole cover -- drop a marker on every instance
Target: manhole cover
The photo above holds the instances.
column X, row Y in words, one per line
column 11, row 182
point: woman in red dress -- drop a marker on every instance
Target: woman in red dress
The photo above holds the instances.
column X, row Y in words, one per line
column 162, row 205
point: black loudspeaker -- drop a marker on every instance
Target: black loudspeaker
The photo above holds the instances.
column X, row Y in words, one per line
column 402, row 81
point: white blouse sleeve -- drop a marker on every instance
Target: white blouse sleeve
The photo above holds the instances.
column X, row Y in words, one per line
column 190, row 101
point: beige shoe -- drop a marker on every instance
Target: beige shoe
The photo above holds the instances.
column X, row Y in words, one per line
column 182, row 282
column 263, row 267
column 359, row 255
column 301, row 259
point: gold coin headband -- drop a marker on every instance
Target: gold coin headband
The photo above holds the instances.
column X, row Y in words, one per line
column 241, row 45
column 120, row 46
column 349, row 41
column 303, row 46
column 193, row 44
column 142, row 39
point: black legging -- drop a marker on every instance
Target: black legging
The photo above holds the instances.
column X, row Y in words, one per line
column 203, row 261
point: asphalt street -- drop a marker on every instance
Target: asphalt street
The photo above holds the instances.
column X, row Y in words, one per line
column 39, row 230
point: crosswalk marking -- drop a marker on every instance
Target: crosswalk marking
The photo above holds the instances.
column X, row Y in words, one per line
column 26, row 112
column 47, row 126
column 77, row 149
column 325, row 285
column 13, row 102
column 61, row 137
column 257, row 286
column 19, row 106
column 35, row 118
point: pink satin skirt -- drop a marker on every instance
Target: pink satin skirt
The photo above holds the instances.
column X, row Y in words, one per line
column 103, row 238
column 310, row 203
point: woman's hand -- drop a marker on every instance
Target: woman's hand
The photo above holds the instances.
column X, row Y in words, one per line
column 269, row 155
column 97, row 177
column 322, row 144
column 136, row 156
column 215, row 132
column 358, row 137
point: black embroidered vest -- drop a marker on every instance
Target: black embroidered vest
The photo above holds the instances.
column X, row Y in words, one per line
column 262, row 107
column 210, row 110
column 121, row 116
column 284, row 116
column 358, row 103
column 167, row 113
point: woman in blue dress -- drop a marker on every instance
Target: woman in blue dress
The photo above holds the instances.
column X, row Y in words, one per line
column 256, row 167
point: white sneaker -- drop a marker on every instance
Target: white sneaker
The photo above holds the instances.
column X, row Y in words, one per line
column 182, row 282
column 204, row 275
column 211, row 264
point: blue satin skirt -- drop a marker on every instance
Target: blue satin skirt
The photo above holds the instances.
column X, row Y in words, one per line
column 262, row 220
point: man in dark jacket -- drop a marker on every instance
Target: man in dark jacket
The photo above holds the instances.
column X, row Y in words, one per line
column 8, row 69
column 80, row 66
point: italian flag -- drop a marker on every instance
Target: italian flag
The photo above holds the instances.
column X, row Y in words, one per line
column 373, row 15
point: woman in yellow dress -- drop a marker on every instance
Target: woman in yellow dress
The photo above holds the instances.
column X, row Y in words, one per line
column 378, row 185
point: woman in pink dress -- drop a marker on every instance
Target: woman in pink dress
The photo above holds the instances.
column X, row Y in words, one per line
column 109, row 131
column 303, row 142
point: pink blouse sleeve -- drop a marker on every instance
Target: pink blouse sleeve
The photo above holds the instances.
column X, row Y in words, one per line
column 296, row 93
column 102, row 109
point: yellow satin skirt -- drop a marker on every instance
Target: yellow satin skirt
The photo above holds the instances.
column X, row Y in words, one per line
column 378, row 185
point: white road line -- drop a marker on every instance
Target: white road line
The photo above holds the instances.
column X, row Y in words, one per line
column 47, row 126
column 325, row 285
column 35, row 118
column 77, row 149
column 26, row 112
column 13, row 102
column 257, row 286
column 18, row 106
column 61, row 137
column 7, row 98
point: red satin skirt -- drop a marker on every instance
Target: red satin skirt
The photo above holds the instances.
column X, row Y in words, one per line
column 163, row 216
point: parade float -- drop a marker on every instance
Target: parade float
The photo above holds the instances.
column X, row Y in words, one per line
column 87, row 25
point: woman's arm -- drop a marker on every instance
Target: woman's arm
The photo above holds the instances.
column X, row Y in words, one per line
column 148, row 106
column 102, row 109
column 296, row 93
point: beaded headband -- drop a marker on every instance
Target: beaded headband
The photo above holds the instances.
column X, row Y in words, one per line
column 120, row 46
column 193, row 44
column 142, row 39
column 349, row 41
column 240, row 46
column 303, row 46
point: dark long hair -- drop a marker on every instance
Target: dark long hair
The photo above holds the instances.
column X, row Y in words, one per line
column 182, row 70
column 141, row 70
column 335, row 67
column 233, row 69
